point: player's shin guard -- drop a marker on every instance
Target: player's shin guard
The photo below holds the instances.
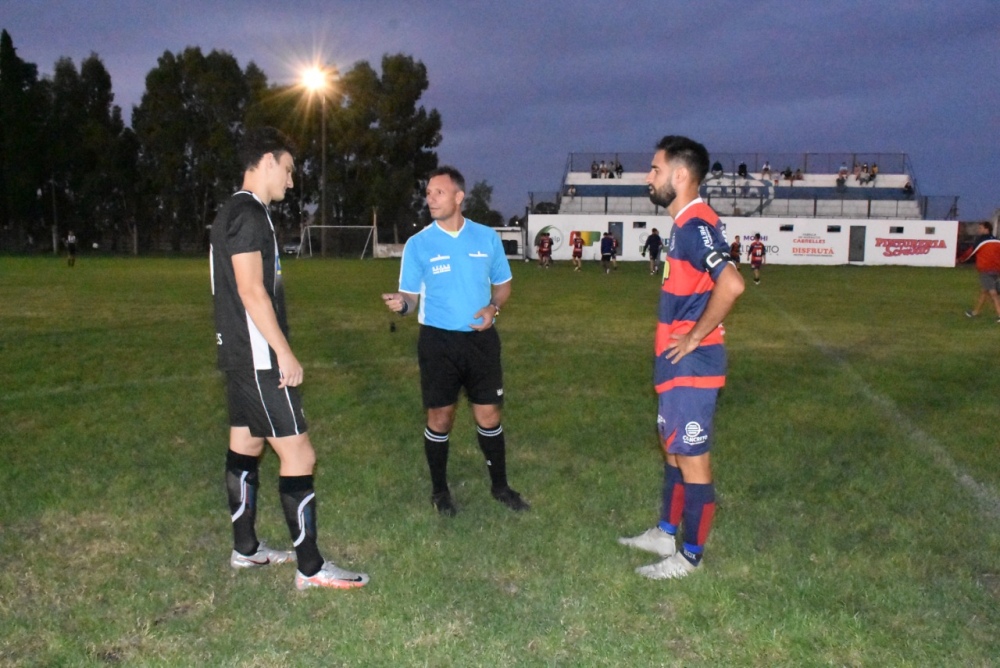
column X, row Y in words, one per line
column 241, row 487
column 491, row 442
column 298, row 500
column 436, row 451
column 673, row 499
column 699, row 510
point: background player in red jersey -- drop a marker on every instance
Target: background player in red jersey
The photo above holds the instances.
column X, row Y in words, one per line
column 987, row 253
column 699, row 289
column 577, row 251
column 735, row 251
column 755, row 253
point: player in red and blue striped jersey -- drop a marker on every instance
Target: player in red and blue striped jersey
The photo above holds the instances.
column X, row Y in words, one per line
column 700, row 287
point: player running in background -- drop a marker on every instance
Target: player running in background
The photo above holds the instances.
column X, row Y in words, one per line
column 986, row 250
column 262, row 373
column 699, row 289
column 653, row 244
column 735, row 251
column 457, row 271
column 755, row 253
column 607, row 251
column 577, row 251
column 545, row 250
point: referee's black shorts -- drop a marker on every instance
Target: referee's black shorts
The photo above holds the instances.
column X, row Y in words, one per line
column 256, row 401
column 450, row 361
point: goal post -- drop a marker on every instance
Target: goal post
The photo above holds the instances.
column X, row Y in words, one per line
column 342, row 240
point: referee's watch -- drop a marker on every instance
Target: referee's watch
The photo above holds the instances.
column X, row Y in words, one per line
column 496, row 309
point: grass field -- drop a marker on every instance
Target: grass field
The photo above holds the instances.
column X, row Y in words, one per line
column 856, row 461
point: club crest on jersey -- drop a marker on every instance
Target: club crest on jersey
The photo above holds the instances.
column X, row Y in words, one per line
column 694, row 434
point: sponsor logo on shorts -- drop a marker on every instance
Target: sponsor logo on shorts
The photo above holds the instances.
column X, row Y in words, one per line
column 694, row 434
column 500, row 392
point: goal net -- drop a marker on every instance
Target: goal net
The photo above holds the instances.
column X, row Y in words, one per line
column 337, row 241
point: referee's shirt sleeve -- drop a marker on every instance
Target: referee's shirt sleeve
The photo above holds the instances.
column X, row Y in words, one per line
column 500, row 270
column 410, row 276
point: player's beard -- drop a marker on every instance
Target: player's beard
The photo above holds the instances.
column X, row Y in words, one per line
column 663, row 197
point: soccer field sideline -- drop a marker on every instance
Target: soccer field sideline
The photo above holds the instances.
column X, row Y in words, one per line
column 988, row 498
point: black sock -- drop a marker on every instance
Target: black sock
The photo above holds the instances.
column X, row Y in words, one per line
column 436, row 450
column 299, row 503
column 491, row 442
column 241, row 487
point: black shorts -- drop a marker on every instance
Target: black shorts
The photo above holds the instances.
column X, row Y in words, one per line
column 450, row 361
column 256, row 401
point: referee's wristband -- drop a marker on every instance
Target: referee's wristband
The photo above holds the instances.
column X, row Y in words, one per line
column 405, row 309
column 495, row 308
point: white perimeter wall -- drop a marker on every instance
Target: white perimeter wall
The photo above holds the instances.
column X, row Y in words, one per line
column 930, row 243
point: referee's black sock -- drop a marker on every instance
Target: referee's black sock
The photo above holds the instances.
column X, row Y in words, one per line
column 436, row 450
column 491, row 442
column 241, row 487
column 298, row 500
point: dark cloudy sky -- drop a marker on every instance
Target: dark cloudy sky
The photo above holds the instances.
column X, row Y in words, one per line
column 520, row 84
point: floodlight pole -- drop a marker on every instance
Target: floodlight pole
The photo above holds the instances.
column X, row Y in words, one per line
column 322, row 183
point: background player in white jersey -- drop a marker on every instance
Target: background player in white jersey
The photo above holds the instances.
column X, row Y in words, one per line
column 458, row 272
column 262, row 373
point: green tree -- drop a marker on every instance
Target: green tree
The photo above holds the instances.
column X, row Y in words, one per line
column 477, row 205
column 188, row 125
column 383, row 141
column 22, row 165
column 90, row 152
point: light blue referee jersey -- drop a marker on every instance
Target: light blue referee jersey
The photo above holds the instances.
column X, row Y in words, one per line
column 453, row 275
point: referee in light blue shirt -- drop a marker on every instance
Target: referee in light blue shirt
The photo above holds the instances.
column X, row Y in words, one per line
column 457, row 272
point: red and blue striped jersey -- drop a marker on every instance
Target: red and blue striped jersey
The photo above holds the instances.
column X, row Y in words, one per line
column 697, row 253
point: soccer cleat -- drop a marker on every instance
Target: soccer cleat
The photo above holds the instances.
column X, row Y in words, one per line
column 443, row 504
column 654, row 540
column 511, row 499
column 332, row 576
column 970, row 314
column 671, row 568
column 262, row 557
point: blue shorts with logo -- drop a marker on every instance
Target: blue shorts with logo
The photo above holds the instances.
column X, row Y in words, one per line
column 684, row 419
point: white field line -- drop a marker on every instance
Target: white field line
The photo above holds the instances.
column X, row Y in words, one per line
column 922, row 442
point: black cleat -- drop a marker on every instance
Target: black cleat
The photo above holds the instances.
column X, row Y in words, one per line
column 443, row 504
column 511, row 499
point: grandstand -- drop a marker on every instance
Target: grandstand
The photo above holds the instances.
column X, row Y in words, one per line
column 815, row 195
column 837, row 192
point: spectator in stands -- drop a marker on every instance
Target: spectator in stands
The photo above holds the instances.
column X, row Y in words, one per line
column 619, row 170
column 873, row 173
column 604, row 170
column 797, row 176
column 841, row 182
column 594, row 169
column 788, row 174
column 741, row 171
column 843, row 170
column 987, row 253
column 571, row 191
column 857, row 172
column 716, row 169
column 908, row 188
column 765, row 171
column 861, row 176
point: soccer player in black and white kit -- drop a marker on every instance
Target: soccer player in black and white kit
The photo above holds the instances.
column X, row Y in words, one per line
column 262, row 373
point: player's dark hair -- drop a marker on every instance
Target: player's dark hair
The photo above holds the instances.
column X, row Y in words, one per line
column 258, row 142
column 452, row 173
column 989, row 227
column 691, row 153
